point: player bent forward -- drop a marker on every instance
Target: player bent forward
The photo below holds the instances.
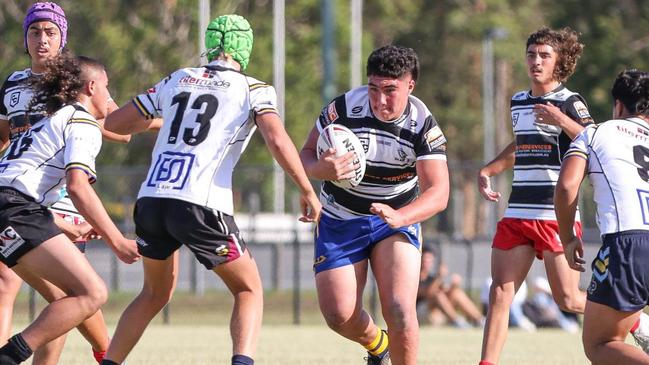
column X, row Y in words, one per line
column 615, row 155
column 377, row 222
column 56, row 150
column 209, row 115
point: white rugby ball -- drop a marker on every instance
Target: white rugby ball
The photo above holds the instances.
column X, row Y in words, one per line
column 343, row 140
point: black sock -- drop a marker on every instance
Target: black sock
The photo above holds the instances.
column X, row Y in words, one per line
column 17, row 349
column 108, row 362
column 242, row 360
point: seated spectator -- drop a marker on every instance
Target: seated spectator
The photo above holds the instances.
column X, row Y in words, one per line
column 541, row 308
column 441, row 296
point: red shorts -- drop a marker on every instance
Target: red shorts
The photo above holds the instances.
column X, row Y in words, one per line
column 543, row 235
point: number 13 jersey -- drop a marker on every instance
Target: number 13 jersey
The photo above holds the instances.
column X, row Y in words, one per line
column 209, row 118
column 617, row 152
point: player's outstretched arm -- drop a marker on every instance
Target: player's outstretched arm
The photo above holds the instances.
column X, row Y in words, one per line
column 328, row 167
column 89, row 205
column 128, row 120
column 433, row 197
column 502, row 162
column 283, row 150
column 566, row 196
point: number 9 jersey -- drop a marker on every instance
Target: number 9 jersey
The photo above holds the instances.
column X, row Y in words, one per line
column 617, row 152
column 208, row 119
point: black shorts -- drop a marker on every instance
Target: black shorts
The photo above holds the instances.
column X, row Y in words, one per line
column 24, row 225
column 162, row 225
column 620, row 272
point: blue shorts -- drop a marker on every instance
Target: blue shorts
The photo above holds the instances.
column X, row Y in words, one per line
column 620, row 272
column 345, row 242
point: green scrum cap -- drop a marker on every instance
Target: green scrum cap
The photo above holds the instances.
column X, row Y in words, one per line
column 230, row 34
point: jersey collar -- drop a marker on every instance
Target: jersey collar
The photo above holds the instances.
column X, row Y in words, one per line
column 556, row 90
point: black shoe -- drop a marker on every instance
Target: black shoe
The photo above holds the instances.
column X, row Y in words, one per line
column 376, row 360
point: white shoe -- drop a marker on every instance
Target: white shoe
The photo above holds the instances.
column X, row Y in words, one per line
column 641, row 334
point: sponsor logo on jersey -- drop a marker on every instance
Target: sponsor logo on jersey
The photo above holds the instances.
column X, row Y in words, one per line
column 434, row 137
column 193, row 81
column 151, row 90
column 643, row 131
column 365, row 142
column 14, row 98
column 171, row 171
column 581, row 109
column 402, row 155
column 357, row 110
column 332, row 114
column 515, row 119
column 209, row 74
column 11, row 241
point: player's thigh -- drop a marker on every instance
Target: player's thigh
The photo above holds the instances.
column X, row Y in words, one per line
column 604, row 324
column 58, row 261
column 340, row 290
column 511, row 266
column 563, row 280
column 395, row 263
column 160, row 276
column 240, row 274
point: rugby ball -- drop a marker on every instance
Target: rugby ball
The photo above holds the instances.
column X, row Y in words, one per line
column 343, row 140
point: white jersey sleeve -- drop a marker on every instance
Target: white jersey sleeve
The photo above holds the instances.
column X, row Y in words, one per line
column 263, row 98
column 83, row 142
column 148, row 103
column 579, row 146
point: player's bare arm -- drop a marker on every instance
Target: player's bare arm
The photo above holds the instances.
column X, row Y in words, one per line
column 75, row 232
column 283, row 150
column 128, row 120
column 328, row 167
column 502, row 162
column 550, row 114
column 89, row 205
column 434, row 187
column 566, row 195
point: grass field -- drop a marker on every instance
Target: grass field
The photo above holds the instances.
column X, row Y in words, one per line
column 198, row 334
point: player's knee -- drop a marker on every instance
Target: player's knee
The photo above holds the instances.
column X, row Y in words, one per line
column 93, row 299
column 155, row 299
column 336, row 319
column 398, row 316
column 569, row 303
column 501, row 295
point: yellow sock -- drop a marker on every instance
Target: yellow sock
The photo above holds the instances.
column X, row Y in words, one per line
column 379, row 345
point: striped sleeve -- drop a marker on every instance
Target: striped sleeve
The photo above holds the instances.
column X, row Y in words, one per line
column 579, row 146
column 148, row 103
column 263, row 98
column 431, row 142
column 82, row 144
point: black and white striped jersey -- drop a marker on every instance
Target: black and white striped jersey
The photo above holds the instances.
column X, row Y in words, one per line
column 208, row 119
column 391, row 150
column 617, row 152
column 37, row 161
column 539, row 151
column 16, row 96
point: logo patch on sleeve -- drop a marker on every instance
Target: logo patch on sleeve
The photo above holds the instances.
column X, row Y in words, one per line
column 434, row 137
column 581, row 109
column 332, row 114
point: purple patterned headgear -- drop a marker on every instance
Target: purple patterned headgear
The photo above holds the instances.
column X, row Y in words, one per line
column 47, row 11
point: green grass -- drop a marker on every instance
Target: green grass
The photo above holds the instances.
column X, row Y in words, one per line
column 198, row 334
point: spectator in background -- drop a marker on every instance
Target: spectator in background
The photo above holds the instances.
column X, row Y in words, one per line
column 543, row 311
column 440, row 295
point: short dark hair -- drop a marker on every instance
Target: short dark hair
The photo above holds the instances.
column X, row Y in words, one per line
column 565, row 42
column 631, row 88
column 393, row 61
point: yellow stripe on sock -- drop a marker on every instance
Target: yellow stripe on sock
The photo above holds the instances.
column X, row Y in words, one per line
column 379, row 345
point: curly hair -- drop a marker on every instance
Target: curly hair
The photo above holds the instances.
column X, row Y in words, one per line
column 631, row 88
column 565, row 42
column 393, row 61
column 61, row 83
